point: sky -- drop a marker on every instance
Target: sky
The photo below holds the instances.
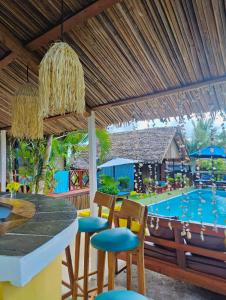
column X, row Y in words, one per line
column 157, row 123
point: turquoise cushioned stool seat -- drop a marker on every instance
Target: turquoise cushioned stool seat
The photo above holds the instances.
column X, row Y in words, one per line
column 120, row 295
column 115, row 240
column 92, row 224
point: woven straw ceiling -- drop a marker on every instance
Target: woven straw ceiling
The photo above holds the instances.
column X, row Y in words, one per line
column 132, row 49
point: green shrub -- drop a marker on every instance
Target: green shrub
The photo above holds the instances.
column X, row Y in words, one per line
column 111, row 190
column 108, row 185
column 124, row 182
column 170, row 179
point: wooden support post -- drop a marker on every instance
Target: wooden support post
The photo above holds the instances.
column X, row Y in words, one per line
column 3, row 160
column 92, row 161
column 92, row 177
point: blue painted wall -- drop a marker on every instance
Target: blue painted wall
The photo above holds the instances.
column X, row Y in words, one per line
column 62, row 182
column 120, row 171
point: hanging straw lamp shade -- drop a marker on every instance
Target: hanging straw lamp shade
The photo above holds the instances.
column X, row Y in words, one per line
column 27, row 120
column 61, row 81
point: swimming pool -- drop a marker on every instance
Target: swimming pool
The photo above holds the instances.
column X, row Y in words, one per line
column 198, row 205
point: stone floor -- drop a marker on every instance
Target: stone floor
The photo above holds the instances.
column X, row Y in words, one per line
column 160, row 287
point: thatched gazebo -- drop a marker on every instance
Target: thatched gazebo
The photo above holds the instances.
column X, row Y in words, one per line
column 152, row 148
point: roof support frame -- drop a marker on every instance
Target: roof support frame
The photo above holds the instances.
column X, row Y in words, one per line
column 163, row 93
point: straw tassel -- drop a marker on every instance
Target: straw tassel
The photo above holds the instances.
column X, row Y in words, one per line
column 27, row 121
column 61, row 81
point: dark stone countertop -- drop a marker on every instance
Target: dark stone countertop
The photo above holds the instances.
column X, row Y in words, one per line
column 52, row 216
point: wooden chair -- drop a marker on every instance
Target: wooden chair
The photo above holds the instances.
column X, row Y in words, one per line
column 122, row 239
column 88, row 226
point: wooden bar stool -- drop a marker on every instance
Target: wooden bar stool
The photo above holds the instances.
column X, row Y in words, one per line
column 120, row 295
column 88, row 226
column 133, row 216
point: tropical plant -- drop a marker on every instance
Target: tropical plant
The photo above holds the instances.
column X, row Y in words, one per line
column 170, row 179
column 203, row 131
column 123, row 182
column 178, row 178
column 108, row 185
column 30, row 154
column 201, row 135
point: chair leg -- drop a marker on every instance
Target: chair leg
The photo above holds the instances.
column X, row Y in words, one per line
column 128, row 267
column 140, row 270
column 100, row 273
column 111, row 270
column 86, row 266
column 76, row 266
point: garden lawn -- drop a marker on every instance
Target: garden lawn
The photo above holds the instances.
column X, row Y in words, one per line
column 154, row 198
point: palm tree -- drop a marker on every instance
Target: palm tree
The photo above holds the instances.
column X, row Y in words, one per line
column 201, row 135
column 75, row 142
column 38, row 158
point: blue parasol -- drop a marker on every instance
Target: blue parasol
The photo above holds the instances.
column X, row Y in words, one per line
column 210, row 152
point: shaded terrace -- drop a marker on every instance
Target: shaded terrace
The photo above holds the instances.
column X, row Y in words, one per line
column 142, row 60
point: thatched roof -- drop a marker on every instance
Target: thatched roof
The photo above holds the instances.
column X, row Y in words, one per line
column 147, row 145
column 142, row 59
column 81, row 163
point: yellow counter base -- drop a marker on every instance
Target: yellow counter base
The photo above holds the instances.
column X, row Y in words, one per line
column 44, row 286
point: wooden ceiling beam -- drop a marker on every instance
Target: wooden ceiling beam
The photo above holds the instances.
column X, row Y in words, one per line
column 18, row 50
column 54, row 118
column 79, row 18
column 163, row 93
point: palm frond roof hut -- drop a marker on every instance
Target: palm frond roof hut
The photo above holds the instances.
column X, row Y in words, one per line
column 151, row 145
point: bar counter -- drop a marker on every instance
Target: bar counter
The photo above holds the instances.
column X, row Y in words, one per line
column 30, row 253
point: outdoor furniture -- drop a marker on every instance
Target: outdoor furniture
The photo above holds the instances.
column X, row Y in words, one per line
column 196, row 260
column 221, row 183
column 205, row 180
column 120, row 295
column 122, row 239
column 212, row 152
column 88, row 226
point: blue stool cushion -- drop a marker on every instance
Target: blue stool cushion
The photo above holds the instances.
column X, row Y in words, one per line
column 115, row 240
column 120, row 295
column 92, row 224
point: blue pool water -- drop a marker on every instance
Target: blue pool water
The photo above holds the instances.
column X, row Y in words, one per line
column 199, row 206
column 4, row 212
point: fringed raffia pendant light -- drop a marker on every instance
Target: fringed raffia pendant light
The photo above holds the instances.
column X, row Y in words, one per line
column 27, row 118
column 61, row 80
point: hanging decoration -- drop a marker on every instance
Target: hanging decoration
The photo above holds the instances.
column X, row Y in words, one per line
column 27, row 120
column 61, row 79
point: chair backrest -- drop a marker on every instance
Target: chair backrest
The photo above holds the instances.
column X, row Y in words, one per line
column 105, row 200
column 133, row 211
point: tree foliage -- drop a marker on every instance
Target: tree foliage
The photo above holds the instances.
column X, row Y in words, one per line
column 203, row 131
column 32, row 155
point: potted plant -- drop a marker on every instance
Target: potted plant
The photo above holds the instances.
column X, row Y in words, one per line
column 13, row 187
column 171, row 182
column 178, row 180
column 148, row 183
